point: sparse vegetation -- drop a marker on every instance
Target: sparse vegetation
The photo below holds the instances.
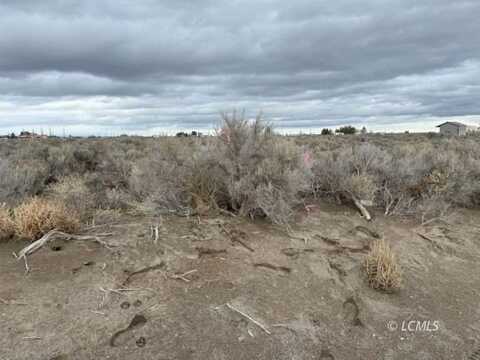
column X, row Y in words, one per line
column 7, row 226
column 37, row 216
column 245, row 169
column 381, row 266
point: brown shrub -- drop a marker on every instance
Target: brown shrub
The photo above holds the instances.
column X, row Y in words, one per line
column 74, row 193
column 7, row 226
column 381, row 267
column 38, row 216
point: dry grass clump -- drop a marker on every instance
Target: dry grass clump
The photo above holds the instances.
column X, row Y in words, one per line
column 382, row 269
column 37, row 216
column 7, row 226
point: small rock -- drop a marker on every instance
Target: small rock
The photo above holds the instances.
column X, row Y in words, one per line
column 125, row 305
column 141, row 341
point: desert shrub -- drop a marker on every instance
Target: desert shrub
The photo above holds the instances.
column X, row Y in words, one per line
column 75, row 194
column 37, row 216
column 381, row 266
column 351, row 172
column 263, row 173
column 246, row 169
column 116, row 199
column 157, row 179
column 204, row 177
column 7, row 226
column 20, row 179
column 362, row 187
column 105, row 216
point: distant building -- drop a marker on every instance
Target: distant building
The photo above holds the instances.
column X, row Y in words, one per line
column 453, row 128
column 31, row 135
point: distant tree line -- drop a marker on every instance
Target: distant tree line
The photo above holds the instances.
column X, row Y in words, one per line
column 346, row 130
column 185, row 134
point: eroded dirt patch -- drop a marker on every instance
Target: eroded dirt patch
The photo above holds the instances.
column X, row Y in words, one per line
column 307, row 289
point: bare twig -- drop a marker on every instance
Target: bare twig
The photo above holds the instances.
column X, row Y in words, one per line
column 38, row 244
column 362, row 209
column 158, row 266
column 154, row 233
column 12, row 302
column 97, row 312
column 183, row 276
column 433, row 242
column 260, row 325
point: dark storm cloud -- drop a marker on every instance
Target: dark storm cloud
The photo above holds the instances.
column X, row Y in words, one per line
column 172, row 64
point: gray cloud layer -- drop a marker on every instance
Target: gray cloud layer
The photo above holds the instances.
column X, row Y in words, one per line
column 149, row 66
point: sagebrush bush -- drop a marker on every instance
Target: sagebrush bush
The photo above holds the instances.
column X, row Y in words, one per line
column 381, row 266
column 247, row 169
column 74, row 193
column 263, row 173
column 37, row 216
column 7, row 226
column 19, row 180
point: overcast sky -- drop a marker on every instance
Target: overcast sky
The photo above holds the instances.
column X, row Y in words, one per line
column 148, row 66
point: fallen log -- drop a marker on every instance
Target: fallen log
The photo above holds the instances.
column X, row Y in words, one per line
column 362, row 209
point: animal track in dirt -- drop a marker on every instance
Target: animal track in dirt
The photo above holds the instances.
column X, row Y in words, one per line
column 237, row 236
column 294, row 253
column 366, row 231
column 352, row 312
column 137, row 321
column 283, row 269
column 338, row 268
column 475, row 355
column 326, row 355
column 204, row 251
column 339, row 248
column 130, row 275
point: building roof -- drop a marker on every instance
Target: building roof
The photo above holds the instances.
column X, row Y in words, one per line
column 453, row 123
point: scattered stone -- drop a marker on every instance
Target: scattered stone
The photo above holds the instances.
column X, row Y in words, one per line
column 125, row 305
column 141, row 341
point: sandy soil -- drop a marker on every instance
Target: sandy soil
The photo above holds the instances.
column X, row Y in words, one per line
column 307, row 291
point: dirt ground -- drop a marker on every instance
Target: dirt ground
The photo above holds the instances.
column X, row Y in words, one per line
column 189, row 294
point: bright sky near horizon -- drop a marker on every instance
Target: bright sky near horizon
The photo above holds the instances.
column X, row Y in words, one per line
column 146, row 67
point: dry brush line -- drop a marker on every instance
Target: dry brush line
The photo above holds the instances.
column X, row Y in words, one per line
column 38, row 244
column 7, row 226
column 37, row 216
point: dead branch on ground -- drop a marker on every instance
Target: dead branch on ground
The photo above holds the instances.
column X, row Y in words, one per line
column 256, row 322
column 158, row 266
column 361, row 208
column 12, row 302
column 183, row 276
column 38, row 244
